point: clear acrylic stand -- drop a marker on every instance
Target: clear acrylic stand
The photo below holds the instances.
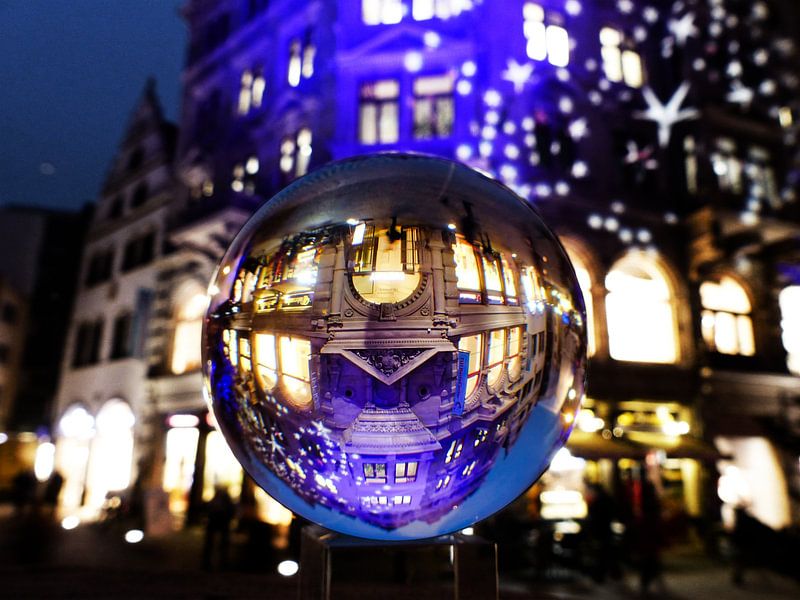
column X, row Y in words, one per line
column 324, row 555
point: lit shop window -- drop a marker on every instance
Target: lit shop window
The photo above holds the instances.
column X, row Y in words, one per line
column 266, row 360
column 468, row 273
column 789, row 301
column 727, row 166
column 454, row 451
column 181, row 451
column 726, row 323
column 301, row 61
column 433, row 106
column 377, row 12
column 378, row 121
column 761, row 176
column 620, row 64
column 188, row 328
column 251, row 91
column 495, row 355
column 423, row 10
column 385, row 262
column 545, row 40
column 294, row 353
column 474, row 345
column 640, row 312
column 111, row 460
column 405, row 472
column 374, row 472
column 296, row 154
column 221, row 469
column 514, row 348
column 229, row 337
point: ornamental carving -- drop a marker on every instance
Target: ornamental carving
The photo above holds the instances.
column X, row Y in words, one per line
column 388, row 361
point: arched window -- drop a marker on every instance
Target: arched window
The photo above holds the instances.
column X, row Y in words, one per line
column 474, row 345
column 111, row 461
column 789, row 300
column 726, row 323
column 640, row 312
column 188, row 331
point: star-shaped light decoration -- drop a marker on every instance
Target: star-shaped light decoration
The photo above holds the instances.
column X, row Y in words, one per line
column 320, row 429
column 518, row 74
column 682, row 29
column 666, row 116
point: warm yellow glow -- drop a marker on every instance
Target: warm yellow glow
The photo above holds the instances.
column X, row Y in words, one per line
column 789, row 301
column 394, row 273
column 270, row 510
column 111, row 459
column 474, row 345
column 491, row 275
column 497, row 342
column 467, row 270
column 514, row 347
column 188, row 333
column 632, row 68
column 726, row 324
column 266, row 361
column 639, row 310
column 181, row 451
column 508, row 279
column 222, row 468
column 44, row 461
column 294, row 354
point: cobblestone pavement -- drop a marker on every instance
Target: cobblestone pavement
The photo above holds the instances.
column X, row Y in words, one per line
column 94, row 562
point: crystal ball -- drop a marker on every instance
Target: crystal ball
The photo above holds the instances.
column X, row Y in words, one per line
column 395, row 346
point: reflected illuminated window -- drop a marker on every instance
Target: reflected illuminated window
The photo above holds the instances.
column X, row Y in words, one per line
column 474, row 345
column 244, row 354
column 454, row 451
column 377, row 12
column 640, row 313
column 231, row 346
column 378, row 120
column 546, row 40
column 294, row 353
column 531, row 286
column 385, row 263
column 514, row 347
column 789, row 300
column 266, row 360
column 495, row 355
column 585, row 283
column 726, row 324
column 405, row 472
column 295, row 63
column 492, row 279
column 508, row 280
column 619, row 63
column 468, row 272
column 186, row 343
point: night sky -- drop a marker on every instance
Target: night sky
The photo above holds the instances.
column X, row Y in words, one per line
column 70, row 74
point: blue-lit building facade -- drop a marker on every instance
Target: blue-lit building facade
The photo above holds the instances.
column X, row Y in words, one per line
column 656, row 138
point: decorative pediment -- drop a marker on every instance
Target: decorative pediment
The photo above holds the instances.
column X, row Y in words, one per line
column 398, row 38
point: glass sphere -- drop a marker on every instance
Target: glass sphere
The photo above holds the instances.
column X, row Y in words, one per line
column 395, row 346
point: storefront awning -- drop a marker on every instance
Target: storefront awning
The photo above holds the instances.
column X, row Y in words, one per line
column 594, row 446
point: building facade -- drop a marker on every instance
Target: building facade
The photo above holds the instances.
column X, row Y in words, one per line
column 658, row 139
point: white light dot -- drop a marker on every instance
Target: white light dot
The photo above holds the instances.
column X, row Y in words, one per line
column 573, row 7
column 617, row 207
column 492, row 117
column 468, row 69
column 626, row 235
column 464, row 152
column 611, row 224
column 565, row 105
column 562, row 188
column 413, row 61
column 543, row 190
column 509, row 128
column 134, row 536
column 485, row 149
column 492, row 98
column 580, row 169
column 464, row 87
column 287, row 568
column 595, row 221
column 644, row 236
column 511, row 151
column 70, row 522
column 431, row 39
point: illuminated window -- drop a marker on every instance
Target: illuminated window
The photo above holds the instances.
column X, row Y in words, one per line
column 474, row 345
column 546, row 40
column 514, row 348
column 251, row 91
column 727, row 166
column 423, row 10
column 377, row 12
column 433, row 106
column 690, row 164
column 296, row 154
column 467, row 471
column 640, row 313
column 405, row 472
column 111, row 461
column 495, row 355
column 443, row 482
column 726, row 324
column 531, row 286
column 301, row 61
column 294, row 354
column 789, row 300
column 492, row 279
column 378, row 121
column 454, row 451
column 401, row 500
column 188, row 327
column 508, row 280
column 385, row 262
column 468, row 272
column 375, row 472
column 244, row 354
column 480, row 436
column 762, row 184
column 619, row 63
column 229, row 337
column 266, row 360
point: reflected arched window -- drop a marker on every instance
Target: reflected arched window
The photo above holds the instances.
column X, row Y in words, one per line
column 266, row 361
column 640, row 312
column 188, row 331
column 294, row 354
column 385, row 267
column 789, row 300
column 468, row 272
column 495, row 355
column 474, row 345
column 514, row 347
column 726, row 324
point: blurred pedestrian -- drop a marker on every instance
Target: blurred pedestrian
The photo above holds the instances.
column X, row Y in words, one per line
column 650, row 537
column 52, row 491
column 24, row 492
column 602, row 512
column 220, row 511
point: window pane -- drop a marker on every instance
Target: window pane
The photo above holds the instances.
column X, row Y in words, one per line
column 632, row 68
column 474, row 345
column 612, row 63
column 388, row 125
column 491, row 273
column 368, row 123
column 508, row 279
column 422, row 10
column 557, row 46
column 537, row 40
column 266, row 360
column 294, row 355
column 725, row 333
column 497, row 344
column 467, row 272
column 514, row 346
column 747, row 345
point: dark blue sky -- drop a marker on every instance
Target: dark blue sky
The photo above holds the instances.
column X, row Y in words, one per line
column 70, row 74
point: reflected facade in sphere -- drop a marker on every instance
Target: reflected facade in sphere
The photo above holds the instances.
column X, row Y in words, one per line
column 395, row 346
